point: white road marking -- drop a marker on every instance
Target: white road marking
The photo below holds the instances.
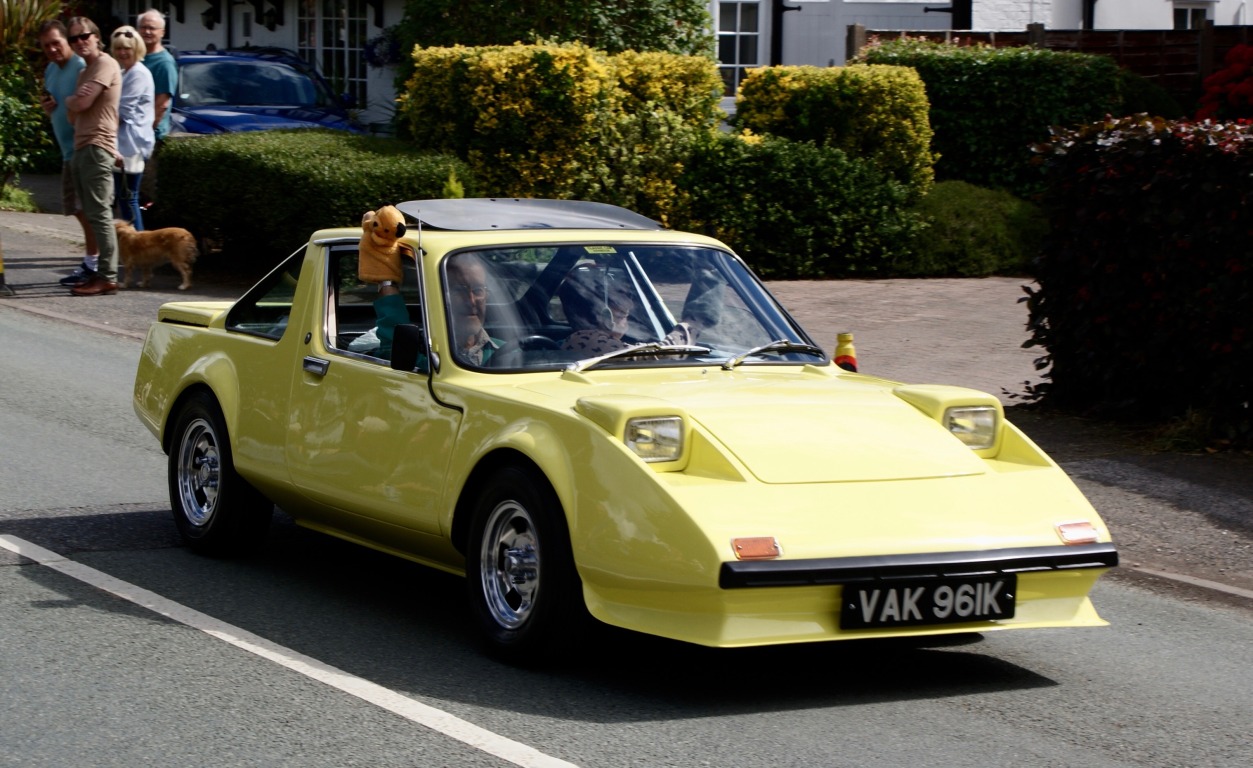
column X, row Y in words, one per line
column 1205, row 583
column 435, row 719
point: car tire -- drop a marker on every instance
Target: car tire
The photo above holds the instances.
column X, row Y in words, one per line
column 524, row 590
column 217, row 512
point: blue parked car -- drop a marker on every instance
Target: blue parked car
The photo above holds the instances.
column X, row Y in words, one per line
column 254, row 90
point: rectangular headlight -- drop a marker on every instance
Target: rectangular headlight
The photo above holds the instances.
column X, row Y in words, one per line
column 974, row 425
column 655, row 438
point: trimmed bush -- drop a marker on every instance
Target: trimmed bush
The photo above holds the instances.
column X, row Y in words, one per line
column 973, row 232
column 565, row 121
column 878, row 113
column 1142, row 96
column 989, row 105
column 616, row 26
column 264, row 192
column 797, row 210
column 1146, row 282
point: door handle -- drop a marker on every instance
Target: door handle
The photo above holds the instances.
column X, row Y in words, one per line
column 316, row 365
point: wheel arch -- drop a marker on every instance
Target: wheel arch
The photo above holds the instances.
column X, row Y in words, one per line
column 488, row 465
column 228, row 404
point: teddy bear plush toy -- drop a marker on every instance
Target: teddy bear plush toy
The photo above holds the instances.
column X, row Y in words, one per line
column 380, row 248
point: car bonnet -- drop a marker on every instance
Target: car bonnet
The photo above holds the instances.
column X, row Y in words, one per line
column 793, row 428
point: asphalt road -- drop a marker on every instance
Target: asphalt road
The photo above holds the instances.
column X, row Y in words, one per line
column 88, row 677
column 119, row 647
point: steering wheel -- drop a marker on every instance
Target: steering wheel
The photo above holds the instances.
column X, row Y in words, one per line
column 510, row 352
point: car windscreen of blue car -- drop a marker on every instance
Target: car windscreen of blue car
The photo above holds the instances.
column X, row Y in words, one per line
column 231, row 94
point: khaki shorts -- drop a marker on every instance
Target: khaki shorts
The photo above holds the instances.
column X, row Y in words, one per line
column 69, row 198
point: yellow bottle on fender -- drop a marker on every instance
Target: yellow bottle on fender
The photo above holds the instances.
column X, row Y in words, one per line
column 845, row 353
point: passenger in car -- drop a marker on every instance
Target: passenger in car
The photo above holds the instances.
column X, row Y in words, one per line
column 598, row 308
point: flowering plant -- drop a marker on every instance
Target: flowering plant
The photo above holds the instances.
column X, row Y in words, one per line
column 382, row 50
column 1229, row 91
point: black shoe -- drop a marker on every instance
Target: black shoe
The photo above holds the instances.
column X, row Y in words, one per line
column 78, row 276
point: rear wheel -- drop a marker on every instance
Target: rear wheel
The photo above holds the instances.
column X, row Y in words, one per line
column 525, row 593
column 216, row 511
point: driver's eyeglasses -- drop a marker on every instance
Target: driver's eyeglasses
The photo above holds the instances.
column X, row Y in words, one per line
column 477, row 291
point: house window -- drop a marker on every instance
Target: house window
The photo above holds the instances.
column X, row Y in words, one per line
column 739, row 40
column 1190, row 16
column 331, row 34
column 130, row 10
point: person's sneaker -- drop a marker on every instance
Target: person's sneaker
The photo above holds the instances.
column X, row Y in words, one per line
column 80, row 275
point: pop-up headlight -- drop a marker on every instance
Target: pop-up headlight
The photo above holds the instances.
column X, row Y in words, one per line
column 974, row 425
column 655, row 438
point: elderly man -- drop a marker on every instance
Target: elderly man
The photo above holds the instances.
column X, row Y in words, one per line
column 160, row 62
column 93, row 109
column 467, row 299
column 60, row 80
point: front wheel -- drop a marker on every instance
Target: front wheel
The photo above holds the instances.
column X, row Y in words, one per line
column 217, row 512
column 525, row 593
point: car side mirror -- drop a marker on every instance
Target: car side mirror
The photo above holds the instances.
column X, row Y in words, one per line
column 409, row 350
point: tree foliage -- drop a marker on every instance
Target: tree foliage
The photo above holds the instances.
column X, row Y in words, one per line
column 614, row 26
column 23, row 127
column 673, row 26
column 19, row 24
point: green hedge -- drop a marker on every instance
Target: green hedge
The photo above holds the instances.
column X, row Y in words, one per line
column 989, row 105
column 565, row 121
column 1146, row 283
column 973, row 232
column 263, row 193
column 797, row 210
column 878, row 113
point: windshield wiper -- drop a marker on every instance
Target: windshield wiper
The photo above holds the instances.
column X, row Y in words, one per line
column 647, row 348
column 778, row 345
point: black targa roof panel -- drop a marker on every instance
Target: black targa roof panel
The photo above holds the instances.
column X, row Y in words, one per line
column 490, row 213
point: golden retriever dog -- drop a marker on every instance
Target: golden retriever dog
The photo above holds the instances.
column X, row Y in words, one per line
column 145, row 251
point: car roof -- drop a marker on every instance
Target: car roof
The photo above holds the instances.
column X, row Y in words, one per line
column 267, row 53
column 497, row 213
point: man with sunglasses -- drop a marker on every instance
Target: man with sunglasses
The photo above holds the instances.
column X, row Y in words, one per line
column 60, row 80
column 93, row 109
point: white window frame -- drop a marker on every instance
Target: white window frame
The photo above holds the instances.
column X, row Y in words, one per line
column 1206, row 10
column 733, row 71
column 330, row 34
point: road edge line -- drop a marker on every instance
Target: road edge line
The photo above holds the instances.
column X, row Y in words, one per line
column 435, row 719
column 1192, row 580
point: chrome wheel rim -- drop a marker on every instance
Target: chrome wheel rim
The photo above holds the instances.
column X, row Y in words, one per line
column 199, row 473
column 509, row 564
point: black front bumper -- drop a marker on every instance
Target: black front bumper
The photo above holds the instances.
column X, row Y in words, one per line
column 851, row 570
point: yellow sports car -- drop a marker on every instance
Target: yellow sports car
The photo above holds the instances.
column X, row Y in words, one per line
column 590, row 416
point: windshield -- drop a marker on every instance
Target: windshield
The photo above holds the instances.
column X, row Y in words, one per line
column 580, row 306
column 246, row 83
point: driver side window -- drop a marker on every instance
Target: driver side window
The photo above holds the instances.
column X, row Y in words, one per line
column 358, row 320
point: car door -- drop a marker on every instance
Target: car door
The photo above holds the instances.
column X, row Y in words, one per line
column 368, row 445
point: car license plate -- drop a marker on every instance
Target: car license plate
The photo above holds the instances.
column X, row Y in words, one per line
column 913, row 602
